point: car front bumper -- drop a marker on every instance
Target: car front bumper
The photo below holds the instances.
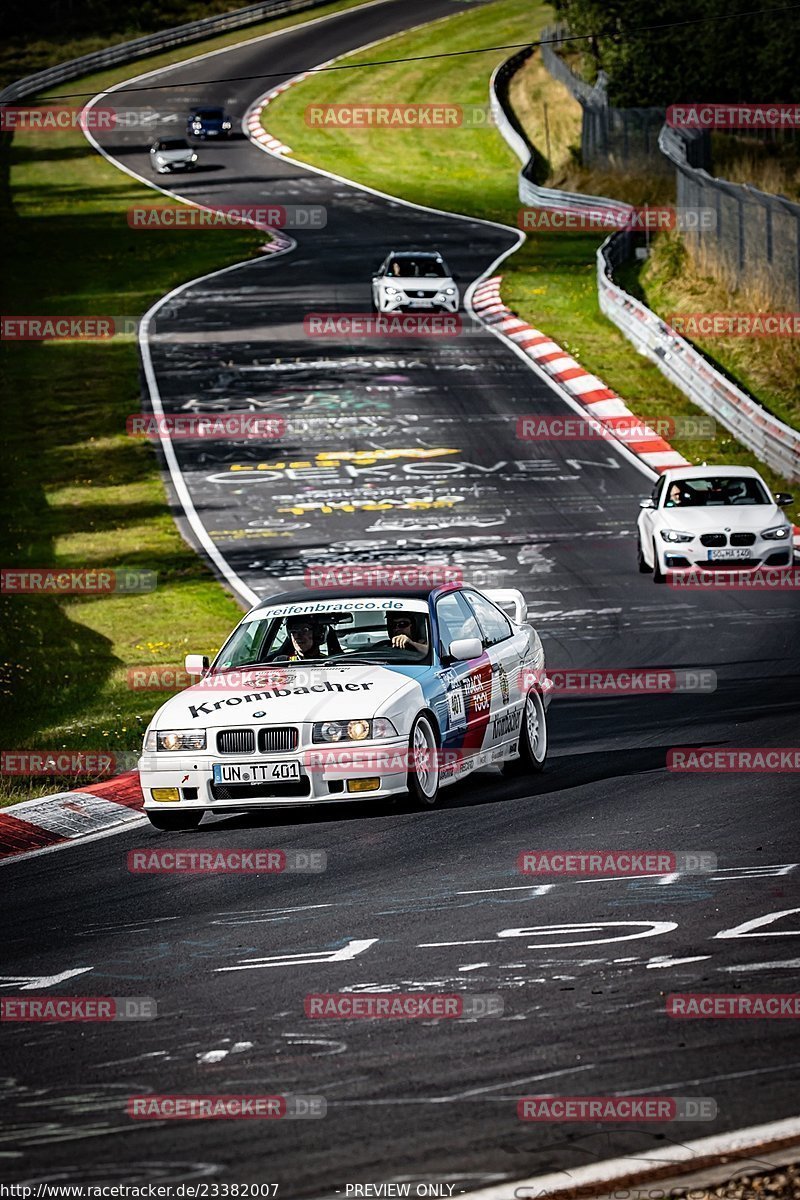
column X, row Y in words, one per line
column 319, row 783
column 405, row 303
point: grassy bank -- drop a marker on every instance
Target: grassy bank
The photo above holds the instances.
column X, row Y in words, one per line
column 551, row 280
column 81, row 493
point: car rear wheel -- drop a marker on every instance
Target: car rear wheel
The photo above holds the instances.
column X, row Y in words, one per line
column 173, row 822
column 532, row 747
column 423, row 771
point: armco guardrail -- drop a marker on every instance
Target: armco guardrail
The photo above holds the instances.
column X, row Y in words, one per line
column 776, row 444
column 166, row 39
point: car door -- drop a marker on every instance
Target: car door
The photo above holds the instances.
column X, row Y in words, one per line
column 649, row 518
column 506, row 649
column 467, row 685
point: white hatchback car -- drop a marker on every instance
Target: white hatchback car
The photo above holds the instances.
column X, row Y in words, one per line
column 712, row 517
column 172, row 154
column 414, row 281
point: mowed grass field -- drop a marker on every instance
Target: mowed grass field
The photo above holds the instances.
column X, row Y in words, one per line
column 551, row 280
column 78, row 492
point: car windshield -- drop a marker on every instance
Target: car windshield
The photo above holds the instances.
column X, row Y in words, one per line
column 715, row 490
column 380, row 631
column 417, row 268
column 173, row 144
column 209, row 114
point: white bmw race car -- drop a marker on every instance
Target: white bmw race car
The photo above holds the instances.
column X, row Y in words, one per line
column 414, row 281
column 342, row 694
column 712, row 517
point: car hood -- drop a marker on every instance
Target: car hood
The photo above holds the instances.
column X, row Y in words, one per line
column 409, row 281
column 736, row 517
column 175, row 155
column 281, row 694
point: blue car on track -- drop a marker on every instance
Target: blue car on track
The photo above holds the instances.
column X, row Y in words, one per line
column 208, row 123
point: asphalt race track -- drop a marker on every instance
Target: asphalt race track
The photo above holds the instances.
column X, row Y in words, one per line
column 417, row 900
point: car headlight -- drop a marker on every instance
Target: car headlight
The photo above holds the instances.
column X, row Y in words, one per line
column 390, row 291
column 676, row 535
column 175, row 739
column 777, row 533
column 352, row 731
column 451, row 291
column 194, row 158
column 226, row 124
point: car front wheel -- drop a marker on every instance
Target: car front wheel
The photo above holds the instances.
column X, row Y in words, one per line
column 173, row 822
column 423, row 769
column 642, row 563
column 658, row 574
column 532, row 746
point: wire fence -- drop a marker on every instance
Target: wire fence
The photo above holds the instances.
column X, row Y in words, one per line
column 616, row 139
column 756, row 243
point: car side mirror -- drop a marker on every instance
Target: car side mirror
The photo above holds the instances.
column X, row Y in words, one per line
column 464, row 648
column 196, row 664
column 648, row 502
column 784, row 499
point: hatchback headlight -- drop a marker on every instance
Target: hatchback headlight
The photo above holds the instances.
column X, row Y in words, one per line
column 392, row 291
column 778, row 533
column 676, row 535
column 352, row 731
column 226, row 124
column 175, row 739
column 451, row 291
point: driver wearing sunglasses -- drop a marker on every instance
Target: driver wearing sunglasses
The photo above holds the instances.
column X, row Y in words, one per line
column 403, row 632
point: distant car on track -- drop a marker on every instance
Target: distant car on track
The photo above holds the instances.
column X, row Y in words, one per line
column 414, row 281
column 172, row 154
column 347, row 694
column 712, row 517
column 208, row 123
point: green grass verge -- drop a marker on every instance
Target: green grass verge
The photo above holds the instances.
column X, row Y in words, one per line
column 78, row 491
column 551, row 280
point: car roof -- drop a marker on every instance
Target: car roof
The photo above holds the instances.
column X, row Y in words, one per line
column 704, row 472
column 306, row 595
column 416, row 254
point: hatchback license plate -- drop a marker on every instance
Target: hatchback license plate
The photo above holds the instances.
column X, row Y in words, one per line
column 271, row 772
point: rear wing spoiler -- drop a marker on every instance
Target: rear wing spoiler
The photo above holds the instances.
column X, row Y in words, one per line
column 510, row 600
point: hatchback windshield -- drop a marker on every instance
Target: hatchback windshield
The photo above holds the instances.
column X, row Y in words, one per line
column 417, row 268
column 397, row 634
column 715, row 490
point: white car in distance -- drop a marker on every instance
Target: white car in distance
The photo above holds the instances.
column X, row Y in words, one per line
column 172, row 154
column 713, row 518
column 414, row 281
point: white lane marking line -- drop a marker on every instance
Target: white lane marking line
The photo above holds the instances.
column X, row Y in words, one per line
column 649, row 1162
column 666, row 961
column 213, row 1056
column 474, row 966
column 125, row 827
column 652, row 929
column 29, row 983
column 743, row 930
column 763, row 966
column 343, row 954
